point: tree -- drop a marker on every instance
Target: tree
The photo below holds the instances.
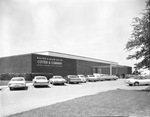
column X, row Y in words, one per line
column 140, row 39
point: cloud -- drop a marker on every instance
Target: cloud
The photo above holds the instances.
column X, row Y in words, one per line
column 94, row 28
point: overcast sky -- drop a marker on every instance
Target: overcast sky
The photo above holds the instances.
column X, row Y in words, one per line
column 92, row 28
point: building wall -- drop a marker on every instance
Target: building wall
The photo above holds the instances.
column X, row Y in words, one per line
column 106, row 70
column 86, row 67
column 54, row 65
column 16, row 64
column 35, row 63
column 122, row 70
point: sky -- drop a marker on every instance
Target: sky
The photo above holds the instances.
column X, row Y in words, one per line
column 92, row 28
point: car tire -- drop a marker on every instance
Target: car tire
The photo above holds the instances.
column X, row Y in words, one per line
column 25, row 88
column 130, row 84
column 136, row 83
column 11, row 89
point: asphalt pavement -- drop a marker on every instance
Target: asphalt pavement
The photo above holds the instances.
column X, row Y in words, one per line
column 16, row 101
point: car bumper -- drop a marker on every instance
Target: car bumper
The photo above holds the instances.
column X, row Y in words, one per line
column 75, row 81
column 59, row 82
column 15, row 86
column 41, row 84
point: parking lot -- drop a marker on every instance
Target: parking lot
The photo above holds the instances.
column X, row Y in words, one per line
column 22, row 100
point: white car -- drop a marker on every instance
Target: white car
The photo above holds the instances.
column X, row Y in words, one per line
column 110, row 77
column 100, row 77
column 57, row 80
column 17, row 82
column 83, row 78
column 92, row 78
column 138, row 80
column 40, row 81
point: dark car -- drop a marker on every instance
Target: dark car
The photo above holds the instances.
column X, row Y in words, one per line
column 72, row 79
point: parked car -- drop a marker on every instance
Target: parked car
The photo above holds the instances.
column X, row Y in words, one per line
column 114, row 77
column 17, row 82
column 92, row 78
column 138, row 80
column 129, row 76
column 100, row 77
column 40, row 81
column 72, row 79
column 83, row 78
column 110, row 77
column 57, row 80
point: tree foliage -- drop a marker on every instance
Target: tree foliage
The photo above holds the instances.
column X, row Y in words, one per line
column 140, row 38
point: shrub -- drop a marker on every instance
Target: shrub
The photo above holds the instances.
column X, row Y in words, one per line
column 27, row 76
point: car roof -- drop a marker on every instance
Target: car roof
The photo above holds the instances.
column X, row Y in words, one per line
column 40, row 76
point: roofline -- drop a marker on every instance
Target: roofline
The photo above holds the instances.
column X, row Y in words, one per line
column 16, row 55
column 114, row 66
column 58, row 54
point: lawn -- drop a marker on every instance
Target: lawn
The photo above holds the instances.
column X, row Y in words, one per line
column 123, row 103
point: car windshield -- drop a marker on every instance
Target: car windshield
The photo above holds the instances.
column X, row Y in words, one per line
column 138, row 77
column 40, row 78
column 17, row 79
column 147, row 77
column 91, row 75
column 58, row 77
column 72, row 76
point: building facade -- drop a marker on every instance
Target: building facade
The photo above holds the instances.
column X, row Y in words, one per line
column 60, row 64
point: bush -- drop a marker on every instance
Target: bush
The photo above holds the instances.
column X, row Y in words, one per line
column 27, row 76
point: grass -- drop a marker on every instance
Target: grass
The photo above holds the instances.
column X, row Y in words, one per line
column 3, row 83
column 111, row 103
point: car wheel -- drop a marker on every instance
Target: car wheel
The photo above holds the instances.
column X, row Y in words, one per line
column 25, row 88
column 11, row 88
column 130, row 84
column 136, row 83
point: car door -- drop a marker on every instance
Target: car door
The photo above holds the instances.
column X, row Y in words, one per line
column 144, row 80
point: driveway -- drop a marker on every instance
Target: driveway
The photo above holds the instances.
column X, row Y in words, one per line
column 22, row 100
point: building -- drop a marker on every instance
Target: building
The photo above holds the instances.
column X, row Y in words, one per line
column 60, row 64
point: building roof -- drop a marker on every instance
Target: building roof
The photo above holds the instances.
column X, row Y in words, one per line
column 63, row 55
column 114, row 66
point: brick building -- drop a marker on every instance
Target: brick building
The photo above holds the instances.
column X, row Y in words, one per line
column 60, row 64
